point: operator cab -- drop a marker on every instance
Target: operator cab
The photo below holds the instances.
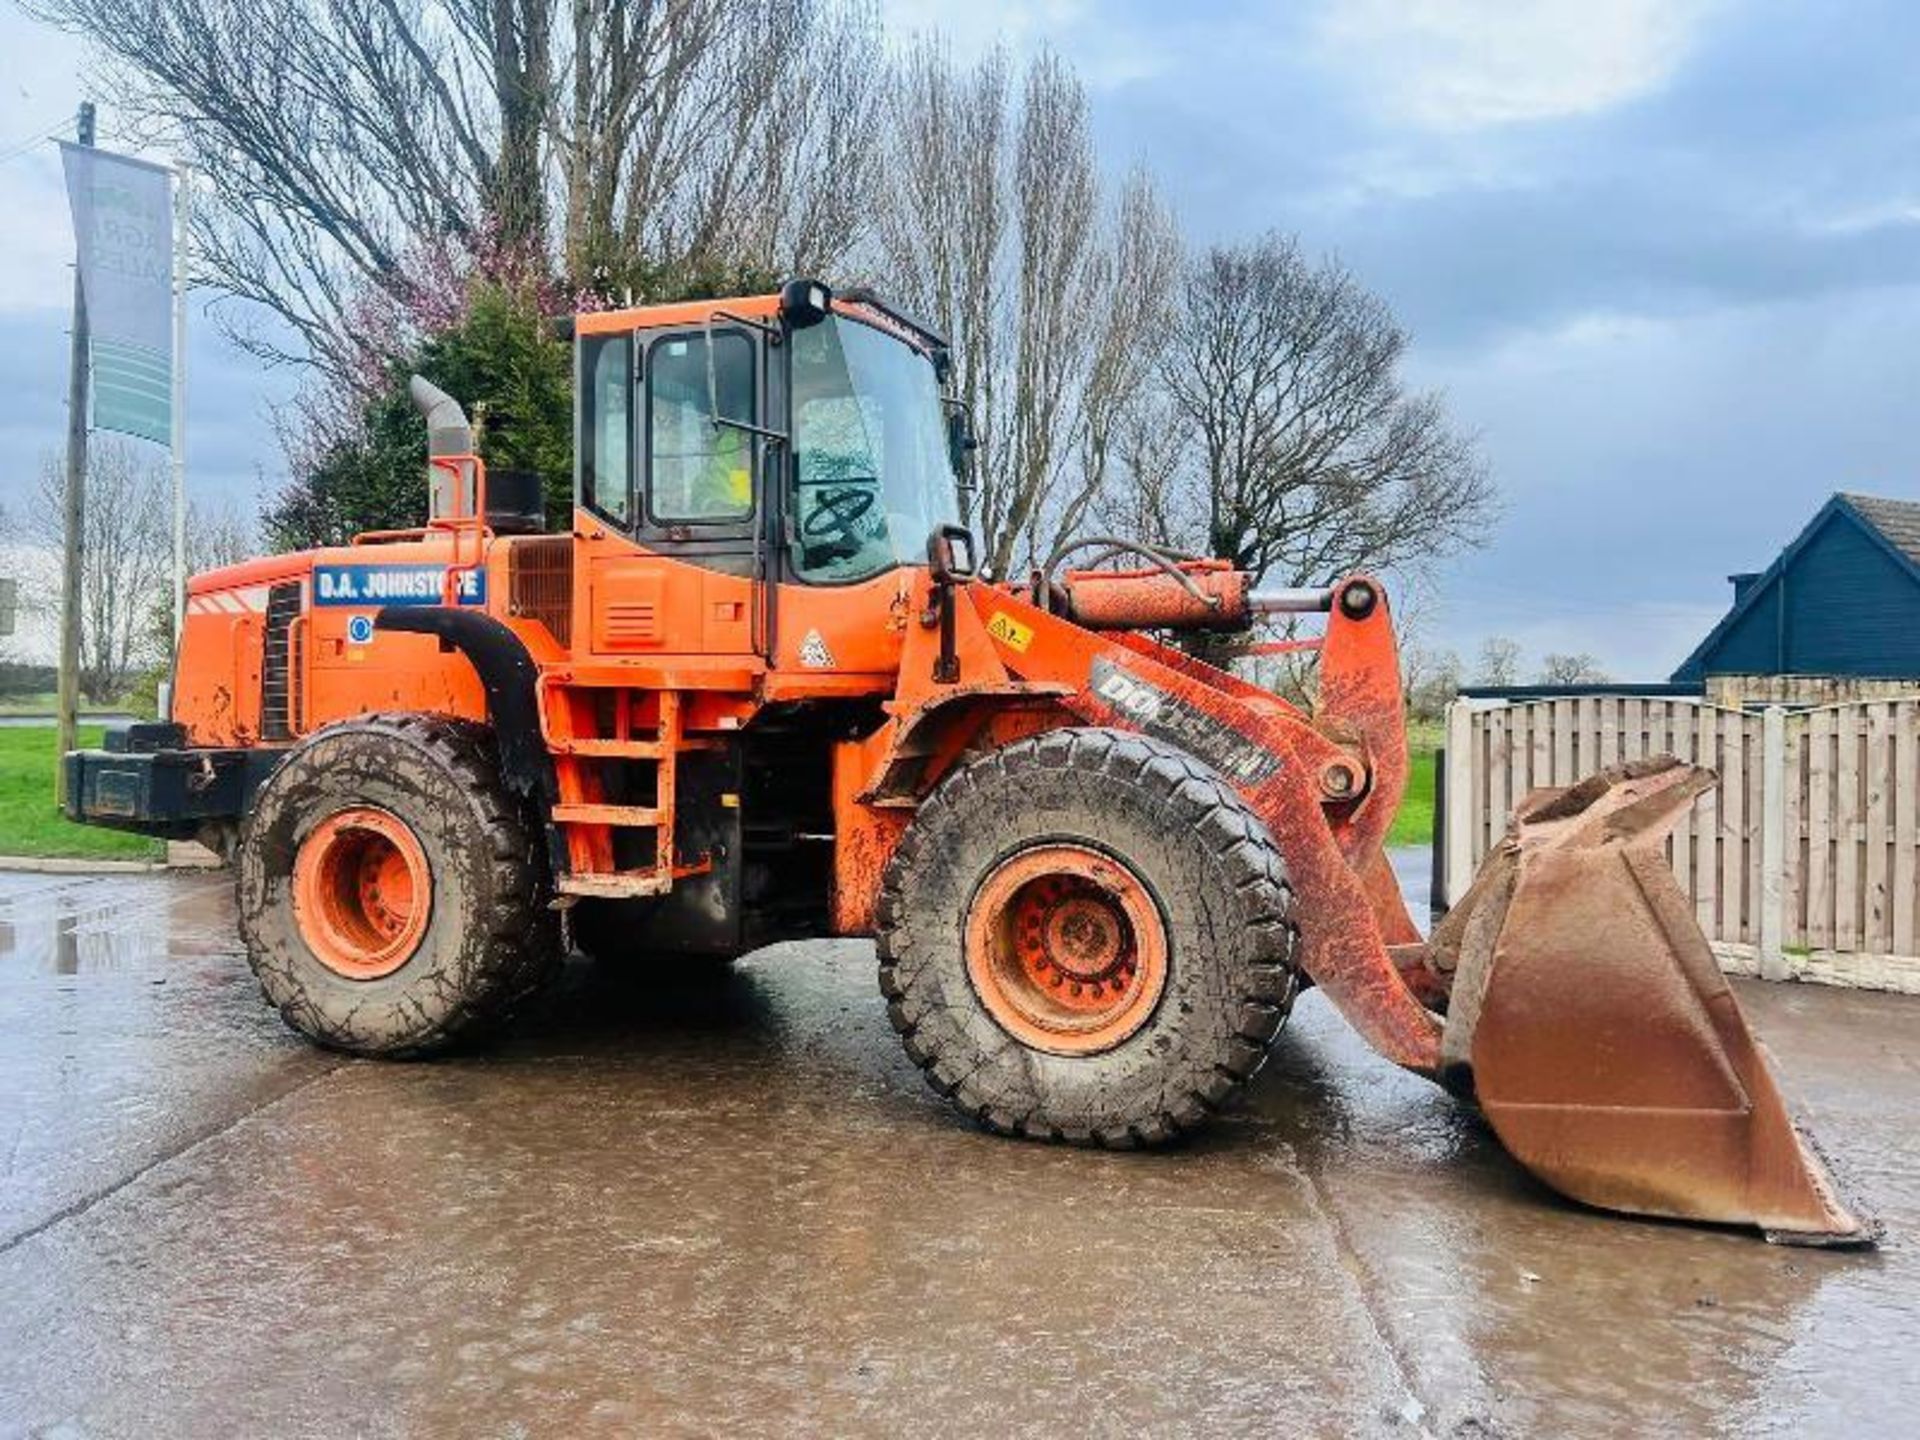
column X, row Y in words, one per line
column 802, row 438
column 875, row 461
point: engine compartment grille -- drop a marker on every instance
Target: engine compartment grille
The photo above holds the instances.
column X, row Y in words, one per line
column 540, row 583
column 280, row 663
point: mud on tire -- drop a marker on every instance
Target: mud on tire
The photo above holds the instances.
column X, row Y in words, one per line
column 1222, row 896
column 489, row 938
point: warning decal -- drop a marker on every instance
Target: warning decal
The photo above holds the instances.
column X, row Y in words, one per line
column 1010, row 632
column 814, row 653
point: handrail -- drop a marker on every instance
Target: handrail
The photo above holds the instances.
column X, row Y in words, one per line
column 458, row 524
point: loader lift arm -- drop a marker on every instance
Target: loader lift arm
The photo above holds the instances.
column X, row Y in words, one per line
column 1527, row 999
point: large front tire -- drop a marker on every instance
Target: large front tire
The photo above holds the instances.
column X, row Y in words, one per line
column 1087, row 937
column 391, row 896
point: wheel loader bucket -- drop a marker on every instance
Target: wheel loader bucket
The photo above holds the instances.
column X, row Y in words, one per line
column 1590, row 1019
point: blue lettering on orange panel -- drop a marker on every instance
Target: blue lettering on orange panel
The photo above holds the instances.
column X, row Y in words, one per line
column 374, row 585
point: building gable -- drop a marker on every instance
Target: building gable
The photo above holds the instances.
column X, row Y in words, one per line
column 1842, row 599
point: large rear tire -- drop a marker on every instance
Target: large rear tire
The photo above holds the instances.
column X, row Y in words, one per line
column 392, row 897
column 1087, row 937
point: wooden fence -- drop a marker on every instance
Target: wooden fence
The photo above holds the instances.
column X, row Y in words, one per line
column 1803, row 863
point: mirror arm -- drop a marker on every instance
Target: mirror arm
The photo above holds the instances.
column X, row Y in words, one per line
column 773, row 332
column 714, row 417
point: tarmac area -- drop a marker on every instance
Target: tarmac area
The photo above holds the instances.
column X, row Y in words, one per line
column 730, row 1205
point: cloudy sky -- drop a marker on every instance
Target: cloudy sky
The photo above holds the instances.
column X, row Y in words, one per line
column 1663, row 256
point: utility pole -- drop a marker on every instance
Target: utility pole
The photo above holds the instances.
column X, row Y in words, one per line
column 69, row 697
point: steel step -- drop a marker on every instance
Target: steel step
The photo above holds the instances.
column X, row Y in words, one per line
column 610, row 749
column 619, row 885
column 632, row 817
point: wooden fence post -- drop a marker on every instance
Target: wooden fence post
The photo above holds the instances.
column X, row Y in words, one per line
column 1461, row 801
column 1773, row 844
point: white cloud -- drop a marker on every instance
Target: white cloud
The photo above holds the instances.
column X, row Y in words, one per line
column 45, row 85
column 972, row 27
column 1867, row 218
column 37, row 235
column 1467, row 64
column 42, row 94
column 1106, row 54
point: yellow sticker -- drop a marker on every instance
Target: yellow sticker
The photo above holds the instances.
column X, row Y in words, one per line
column 1009, row 631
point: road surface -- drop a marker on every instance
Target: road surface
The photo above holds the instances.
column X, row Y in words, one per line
column 733, row 1206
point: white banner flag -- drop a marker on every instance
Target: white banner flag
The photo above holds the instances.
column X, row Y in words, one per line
column 123, row 223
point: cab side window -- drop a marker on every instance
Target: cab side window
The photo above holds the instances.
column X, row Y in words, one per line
column 700, row 472
column 606, row 420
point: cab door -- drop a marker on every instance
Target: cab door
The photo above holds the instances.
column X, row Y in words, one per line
column 673, row 501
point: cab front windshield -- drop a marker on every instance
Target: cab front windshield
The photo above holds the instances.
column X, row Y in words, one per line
column 874, row 474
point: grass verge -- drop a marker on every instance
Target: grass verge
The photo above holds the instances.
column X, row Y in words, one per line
column 30, row 825
column 29, row 822
column 1413, row 825
column 45, row 702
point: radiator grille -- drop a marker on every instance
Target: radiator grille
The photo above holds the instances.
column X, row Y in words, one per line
column 540, row 583
column 280, row 664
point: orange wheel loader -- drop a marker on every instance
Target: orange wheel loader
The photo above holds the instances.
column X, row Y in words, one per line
column 761, row 690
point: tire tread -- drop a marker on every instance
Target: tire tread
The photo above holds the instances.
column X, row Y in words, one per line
column 1203, row 804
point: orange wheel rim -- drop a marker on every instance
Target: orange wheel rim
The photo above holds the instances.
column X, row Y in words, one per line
column 362, row 892
column 1067, row 949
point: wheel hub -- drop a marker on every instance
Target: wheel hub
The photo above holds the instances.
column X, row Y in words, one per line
column 362, row 892
column 1066, row 948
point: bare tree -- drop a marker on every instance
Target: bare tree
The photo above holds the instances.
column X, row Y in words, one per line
column 9, row 584
column 1307, row 455
column 1499, row 662
column 350, row 144
column 1430, row 679
column 219, row 533
column 1581, row 669
column 1000, row 230
column 125, row 558
column 715, row 136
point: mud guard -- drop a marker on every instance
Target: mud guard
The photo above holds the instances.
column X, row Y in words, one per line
column 508, row 675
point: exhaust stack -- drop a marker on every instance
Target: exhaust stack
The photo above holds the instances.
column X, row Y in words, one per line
column 448, row 434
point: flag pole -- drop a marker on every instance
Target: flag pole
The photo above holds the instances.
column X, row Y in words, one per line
column 68, row 700
column 182, row 218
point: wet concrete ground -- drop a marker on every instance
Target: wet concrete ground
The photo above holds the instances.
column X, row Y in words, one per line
column 732, row 1206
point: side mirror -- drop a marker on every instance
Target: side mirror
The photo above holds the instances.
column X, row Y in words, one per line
column 952, row 554
column 961, row 440
column 804, row 303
